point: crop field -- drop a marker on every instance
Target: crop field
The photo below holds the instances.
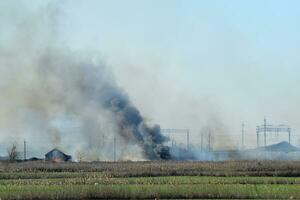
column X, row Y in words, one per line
column 151, row 180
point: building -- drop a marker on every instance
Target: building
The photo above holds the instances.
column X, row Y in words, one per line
column 56, row 155
column 283, row 147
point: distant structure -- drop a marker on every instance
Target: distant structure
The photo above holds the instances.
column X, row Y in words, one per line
column 56, row 155
column 280, row 147
column 266, row 130
column 184, row 131
column 34, row 159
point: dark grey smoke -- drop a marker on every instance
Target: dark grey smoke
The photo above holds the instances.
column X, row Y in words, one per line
column 129, row 119
column 73, row 97
column 94, row 87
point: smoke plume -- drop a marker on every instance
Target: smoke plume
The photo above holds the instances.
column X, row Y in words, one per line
column 61, row 98
column 59, row 86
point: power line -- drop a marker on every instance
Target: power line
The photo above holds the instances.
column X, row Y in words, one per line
column 184, row 131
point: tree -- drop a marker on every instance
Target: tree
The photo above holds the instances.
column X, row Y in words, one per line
column 12, row 153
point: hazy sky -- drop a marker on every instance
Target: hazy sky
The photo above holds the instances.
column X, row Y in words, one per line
column 186, row 62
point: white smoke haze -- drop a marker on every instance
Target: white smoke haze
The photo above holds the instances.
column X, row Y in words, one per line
column 53, row 96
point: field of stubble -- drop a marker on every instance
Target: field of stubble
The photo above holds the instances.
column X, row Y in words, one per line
column 150, row 180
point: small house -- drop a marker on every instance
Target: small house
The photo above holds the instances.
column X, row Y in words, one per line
column 56, row 155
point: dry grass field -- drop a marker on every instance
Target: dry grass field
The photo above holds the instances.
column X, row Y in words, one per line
column 150, row 180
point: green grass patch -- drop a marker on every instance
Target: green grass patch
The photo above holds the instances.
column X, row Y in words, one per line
column 149, row 180
column 93, row 186
column 151, row 191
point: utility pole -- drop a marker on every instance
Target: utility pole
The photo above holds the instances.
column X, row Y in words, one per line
column 209, row 141
column 173, row 144
column 25, row 149
column 257, row 136
column 270, row 128
column 115, row 141
column 103, row 141
column 289, row 132
column 188, row 140
column 201, row 142
column 265, row 131
column 243, row 135
column 182, row 131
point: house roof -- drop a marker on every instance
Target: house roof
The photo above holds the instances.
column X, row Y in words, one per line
column 281, row 147
column 56, row 150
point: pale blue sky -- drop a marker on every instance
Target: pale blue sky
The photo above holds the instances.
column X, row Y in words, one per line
column 240, row 54
column 223, row 43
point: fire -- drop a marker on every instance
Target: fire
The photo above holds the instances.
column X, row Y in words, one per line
column 56, row 160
